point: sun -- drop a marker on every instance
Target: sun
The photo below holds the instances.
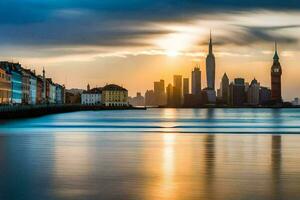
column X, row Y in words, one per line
column 175, row 44
column 172, row 53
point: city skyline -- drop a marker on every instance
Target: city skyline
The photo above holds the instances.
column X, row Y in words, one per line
column 172, row 41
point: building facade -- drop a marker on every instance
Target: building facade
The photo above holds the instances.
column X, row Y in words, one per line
column 169, row 95
column 159, row 93
column 276, row 72
column 5, row 87
column 253, row 93
column 114, row 96
column 16, row 85
column 25, row 85
column 186, row 86
column 138, row 100
column 32, row 89
column 237, row 95
column 150, row 98
column 264, row 95
column 50, row 91
column 196, row 81
column 59, row 94
column 224, row 88
column 91, row 97
column 177, row 90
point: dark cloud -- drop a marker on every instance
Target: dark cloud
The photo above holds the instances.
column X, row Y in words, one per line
column 120, row 22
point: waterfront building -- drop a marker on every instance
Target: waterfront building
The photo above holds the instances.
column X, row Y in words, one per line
column 170, row 95
column 72, row 97
column 237, row 95
column 196, row 81
column 150, row 98
column 39, row 89
column 138, row 100
column 114, row 95
column 224, row 88
column 44, row 93
column 210, row 67
column 159, row 93
column 295, row 102
column 253, row 93
column 186, row 86
column 264, row 95
column 5, row 87
column 16, row 80
column 177, row 90
column 208, row 96
column 50, row 91
column 59, row 94
column 192, row 100
column 91, row 96
column 25, row 85
column 276, row 72
column 32, row 88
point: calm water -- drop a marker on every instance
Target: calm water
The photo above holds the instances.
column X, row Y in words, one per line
column 163, row 154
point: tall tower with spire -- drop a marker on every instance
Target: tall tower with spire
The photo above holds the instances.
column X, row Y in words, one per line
column 210, row 66
column 276, row 73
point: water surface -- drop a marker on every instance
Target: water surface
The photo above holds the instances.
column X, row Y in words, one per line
column 153, row 154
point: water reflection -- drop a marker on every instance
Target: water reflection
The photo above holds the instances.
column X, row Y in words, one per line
column 150, row 166
column 276, row 167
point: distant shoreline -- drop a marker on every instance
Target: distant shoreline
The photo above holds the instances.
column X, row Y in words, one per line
column 27, row 111
column 230, row 107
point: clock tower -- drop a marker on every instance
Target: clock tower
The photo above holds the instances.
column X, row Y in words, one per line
column 276, row 73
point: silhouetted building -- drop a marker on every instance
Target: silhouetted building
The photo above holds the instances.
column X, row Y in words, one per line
column 253, row 93
column 186, row 86
column 170, row 95
column 192, row 100
column 264, row 95
column 177, row 91
column 276, row 73
column 237, row 95
column 196, row 81
column 295, row 102
column 150, row 98
column 138, row 100
column 72, row 98
column 159, row 93
column 208, row 96
column 210, row 67
column 224, row 88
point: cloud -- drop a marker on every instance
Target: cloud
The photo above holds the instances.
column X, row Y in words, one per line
column 47, row 27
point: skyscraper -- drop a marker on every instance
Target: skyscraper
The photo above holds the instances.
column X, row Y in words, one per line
column 276, row 73
column 196, row 81
column 177, row 90
column 170, row 95
column 210, row 67
column 186, row 86
column 159, row 93
column 253, row 93
column 225, row 88
column 237, row 96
